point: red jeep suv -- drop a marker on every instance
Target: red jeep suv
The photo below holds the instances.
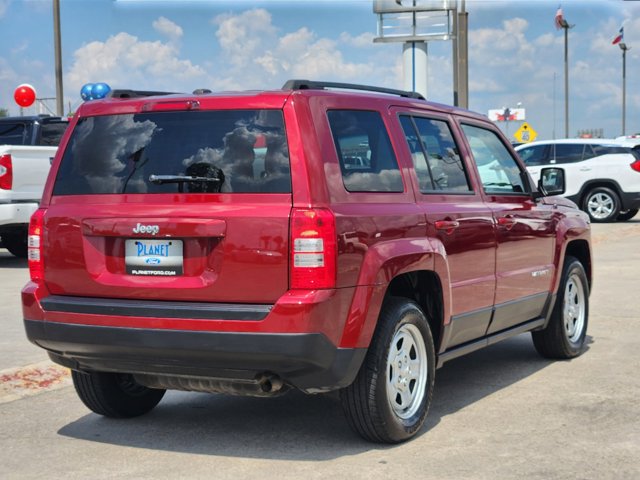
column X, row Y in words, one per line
column 320, row 237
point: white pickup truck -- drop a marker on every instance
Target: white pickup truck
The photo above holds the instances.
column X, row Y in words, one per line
column 27, row 146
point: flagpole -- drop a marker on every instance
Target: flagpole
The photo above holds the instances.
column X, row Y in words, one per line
column 566, row 27
column 624, row 48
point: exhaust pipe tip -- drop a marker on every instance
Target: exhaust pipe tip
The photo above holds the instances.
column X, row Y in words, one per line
column 270, row 383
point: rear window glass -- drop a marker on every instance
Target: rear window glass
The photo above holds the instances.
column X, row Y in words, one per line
column 610, row 149
column 364, row 151
column 14, row 133
column 228, row 151
column 568, row 152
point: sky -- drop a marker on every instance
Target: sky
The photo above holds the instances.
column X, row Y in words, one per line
column 516, row 56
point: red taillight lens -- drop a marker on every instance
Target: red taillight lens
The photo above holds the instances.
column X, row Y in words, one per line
column 636, row 165
column 36, row 230
column 313, row 249
column 6, row 172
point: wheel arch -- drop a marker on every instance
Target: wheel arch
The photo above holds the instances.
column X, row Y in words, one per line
column 580, row 249
column 596, row 183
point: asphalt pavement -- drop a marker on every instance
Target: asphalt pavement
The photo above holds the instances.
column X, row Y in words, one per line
column 499, row 413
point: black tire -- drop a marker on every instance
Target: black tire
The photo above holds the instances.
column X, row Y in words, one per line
column 369, row 403
column 601, row 204
column 564, row 335
column 115, row 395
column 627, row 215
column 16, row 243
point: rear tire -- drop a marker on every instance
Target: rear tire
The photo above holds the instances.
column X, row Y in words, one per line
column 389, row 399
column 115, row 395
column 601, row 204
column 16, row 243
column 627, row 215
column 565, row 334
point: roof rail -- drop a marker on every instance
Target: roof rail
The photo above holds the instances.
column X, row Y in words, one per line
column 318, row 85
column 135, row 93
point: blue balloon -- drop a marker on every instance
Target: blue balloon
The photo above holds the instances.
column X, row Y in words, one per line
column 100, row 90
column 85, row 91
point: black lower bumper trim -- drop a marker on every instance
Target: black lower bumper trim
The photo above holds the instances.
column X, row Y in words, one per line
column 155, row 308
column 307, row 361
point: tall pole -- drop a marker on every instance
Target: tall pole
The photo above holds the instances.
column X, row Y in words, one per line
column 456, row 64
column 463, row 57
column 624, row 48
column 566, row 28
column 58, row 57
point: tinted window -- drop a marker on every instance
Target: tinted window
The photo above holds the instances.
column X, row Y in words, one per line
column 14, row 133
column 242, row 151
column 364, row 150
column 51, row 133
column 568, row 152
column 610, row 149
column 435, row 155
column 534, row 155
column 499, row 171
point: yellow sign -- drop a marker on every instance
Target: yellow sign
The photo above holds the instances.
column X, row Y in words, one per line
column 525, row 133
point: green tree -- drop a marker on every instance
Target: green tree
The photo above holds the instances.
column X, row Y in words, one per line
column 4, row 112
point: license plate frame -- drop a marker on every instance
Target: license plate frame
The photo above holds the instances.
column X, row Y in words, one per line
column 154, row 257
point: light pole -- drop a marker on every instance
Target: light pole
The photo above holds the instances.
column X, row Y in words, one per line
column 624, row 48
column 565, row 26
column 58, row 57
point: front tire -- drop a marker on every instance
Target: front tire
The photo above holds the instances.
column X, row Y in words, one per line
column 565, row 334
column 389, row 399
column 115, row 395
column 601, row 204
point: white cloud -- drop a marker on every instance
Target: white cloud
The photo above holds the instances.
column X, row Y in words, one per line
column 167, row 28
column 123, row 61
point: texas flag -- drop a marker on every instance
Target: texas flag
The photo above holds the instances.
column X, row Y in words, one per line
column 619, row 38
column 559, row 19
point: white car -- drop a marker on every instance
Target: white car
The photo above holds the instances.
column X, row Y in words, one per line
column 602, row 176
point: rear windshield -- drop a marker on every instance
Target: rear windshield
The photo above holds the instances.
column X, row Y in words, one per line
column 234, row 151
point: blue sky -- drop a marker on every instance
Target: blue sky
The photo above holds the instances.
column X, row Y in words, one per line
column 514, row 51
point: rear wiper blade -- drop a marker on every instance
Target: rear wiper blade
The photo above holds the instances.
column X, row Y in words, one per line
column 162, row 179
column 197, row 184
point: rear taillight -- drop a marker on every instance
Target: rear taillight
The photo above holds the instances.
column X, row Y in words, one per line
column 636, row 165
column 36, row 228
column 6, row 172
column 313, row 249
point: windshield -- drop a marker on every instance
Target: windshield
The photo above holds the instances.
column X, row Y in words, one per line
column 112, row 154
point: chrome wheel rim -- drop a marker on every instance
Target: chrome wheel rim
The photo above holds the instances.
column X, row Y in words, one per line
column 407, row 367
column 600, row 206
column 574, row 308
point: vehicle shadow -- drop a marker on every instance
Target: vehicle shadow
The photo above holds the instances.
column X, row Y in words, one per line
column 296, row 426
column 9, row 261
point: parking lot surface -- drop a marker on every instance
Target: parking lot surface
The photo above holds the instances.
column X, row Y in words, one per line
column 502, row 412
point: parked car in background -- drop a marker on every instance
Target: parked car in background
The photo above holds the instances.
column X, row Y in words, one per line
column 602, row 176
column 27, row 147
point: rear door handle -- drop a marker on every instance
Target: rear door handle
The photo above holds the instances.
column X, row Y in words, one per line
column 447, row 226
column 585, row 169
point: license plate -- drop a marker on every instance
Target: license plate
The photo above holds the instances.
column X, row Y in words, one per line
column 153, row 257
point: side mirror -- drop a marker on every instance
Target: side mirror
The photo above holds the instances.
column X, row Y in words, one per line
column 551, row 182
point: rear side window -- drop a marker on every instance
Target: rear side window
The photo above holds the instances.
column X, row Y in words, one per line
column 435, row 155
column 362, row 143
column 568, row 152
column 51, row 133
column 14, row 133
column 229, row 151
column 609, row 149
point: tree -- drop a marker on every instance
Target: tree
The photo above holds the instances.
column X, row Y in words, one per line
column 4, row 112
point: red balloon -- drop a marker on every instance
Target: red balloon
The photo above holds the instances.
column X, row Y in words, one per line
column 25, row 95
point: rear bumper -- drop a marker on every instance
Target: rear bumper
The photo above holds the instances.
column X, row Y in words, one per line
column 17, row 213
column 307, row 361
column 630, row 201
column 297, row 339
